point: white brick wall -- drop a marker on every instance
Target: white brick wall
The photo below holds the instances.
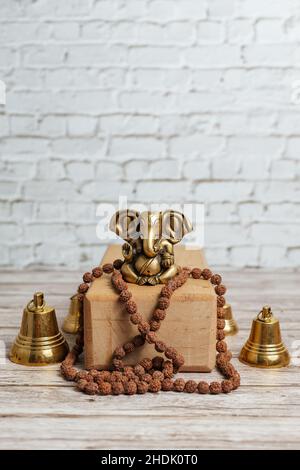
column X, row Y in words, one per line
column 158, row 100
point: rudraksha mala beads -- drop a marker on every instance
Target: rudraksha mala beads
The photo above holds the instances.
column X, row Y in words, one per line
column 150, row 375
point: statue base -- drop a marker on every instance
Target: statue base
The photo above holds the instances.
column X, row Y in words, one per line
column 190, row 324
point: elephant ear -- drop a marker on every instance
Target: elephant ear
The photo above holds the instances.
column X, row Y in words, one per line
column 175, row 226
column 125, row 224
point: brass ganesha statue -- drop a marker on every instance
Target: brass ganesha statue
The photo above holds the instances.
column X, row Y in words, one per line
column 150, row 238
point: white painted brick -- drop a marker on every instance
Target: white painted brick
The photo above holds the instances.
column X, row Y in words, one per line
column 222, row 212
column 21, row 210
column 21, row 256
column 269, row 31
column 47, row 211
column 81, row 125
column 288, row 123
column 272, row 8
column 197, row 170
column 163, row 169
column 273, row 256
column 57, row 254
column 255, row 167
column 57, row 8
column 5, row 210
column 78, row 211
column 280, row 233
column 50, row 191
column 54, row 126
column 282, row 212
column 4, row 258
column 137, row 147
column 50, row 169
column 23, row 125
column 240, row 31
column 11, row 233
column 267, row 55
column 77, row 148
column 292, row 29
column 80, row 171
column 217, row 256
column 8, row 190
column 22, row 32
column 244, row 256
column 96, row 54
column 221, row 8
column 218, row 234
column 118, row 10
column 4, row 126
column 283, row 169
column 210, row 32
column 52, row 232
column 129, row 124
column 65, row 31
column 108, row 171
column 293, row 148
column 175, row 33
column 15, row 170
column 226, row 167
column 196, row 144
column 162, row 10
column 7, row 58
column 253, row 145
column 277, row 191
column 40, row 56
column 165, row 191
column 143, row 102
column 223, row 191
column 106, row 190
column 213, row 56
column 136, row 170
column 25, row 145
column 293, row 257
column 154, row 56
column 250, row 212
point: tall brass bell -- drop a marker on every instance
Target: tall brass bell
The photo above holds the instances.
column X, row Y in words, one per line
column 231, row 327
column 39, row 341
column 264, row 347
column 73, row 320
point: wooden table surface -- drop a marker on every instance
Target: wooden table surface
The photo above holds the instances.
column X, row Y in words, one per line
column 39, row 410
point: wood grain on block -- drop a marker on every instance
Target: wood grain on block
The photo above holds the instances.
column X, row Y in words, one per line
column 190, row 324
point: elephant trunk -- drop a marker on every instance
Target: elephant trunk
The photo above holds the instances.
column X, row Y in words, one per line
column 149, row 246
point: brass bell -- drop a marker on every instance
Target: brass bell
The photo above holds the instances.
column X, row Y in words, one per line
column 73, row 320
column 264, row 347
column 39, row 341
column 231, row 327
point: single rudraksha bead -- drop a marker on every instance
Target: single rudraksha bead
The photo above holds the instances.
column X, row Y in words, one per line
column 129, row 347
column 166, row 292
column 196, row 273
column 91, row 388
column 82, row 375
column 206, row 273
column 151, row 337
column 146, row 363
column 159, row 314
column 221, row 346
column 236, row 380
column 172, row 285
column 70, row 373
column 120, row 285
column 160, row 346
column 83, row 288
column 168, row 372
column 171, row 353
column 87, row 277
column 190, row 386
column 130, row 387
column 178, row 361
column 227, row 386
column 167, row 385
column 154, row 386
column 105, row 375
column 220, row 334
column 119, row 352
column 125, row 295
column 94, row 373
column 116, row 376
column 216, row 279
column 142, row 387
column 163, row 303
column 138, row 341
column 157, row 374
column 105, row 388
column 228, row 370
column 131, row 307
column 220, row 312
column 157, row 362
column 97, row 272
column 221, row 301
column 220, row 289
column 178, row 385
column 136, row 318
column 81, row 384
column 147, row 378
column 117, row 388
column 220, row 323
column 144, row 327
column 228, row 355
column 118, row 363
column 108, row 268
column 154, row 325
column 203, row 387
column 118, row 263
column 215, row 388
column 139, row 370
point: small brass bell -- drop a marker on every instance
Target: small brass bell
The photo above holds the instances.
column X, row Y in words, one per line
column 72, row 321
column 39, row 341
column 231, row 327
column 264, row 347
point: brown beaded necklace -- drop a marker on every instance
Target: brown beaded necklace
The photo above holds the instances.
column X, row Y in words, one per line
column 150, row 375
